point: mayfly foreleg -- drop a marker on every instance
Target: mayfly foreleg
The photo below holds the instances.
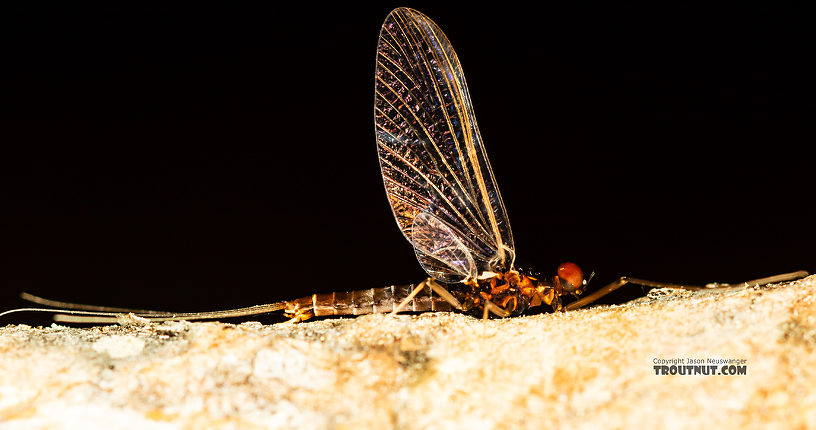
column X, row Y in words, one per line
column 762, row 281
column 624, row 280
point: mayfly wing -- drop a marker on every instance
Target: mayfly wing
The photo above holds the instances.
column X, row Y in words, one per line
column 431, row 154
column 440, row 251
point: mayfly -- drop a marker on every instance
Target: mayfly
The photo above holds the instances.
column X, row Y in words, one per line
column 444, row 197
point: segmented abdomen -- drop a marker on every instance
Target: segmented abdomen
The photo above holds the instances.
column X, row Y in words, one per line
column 373, row 300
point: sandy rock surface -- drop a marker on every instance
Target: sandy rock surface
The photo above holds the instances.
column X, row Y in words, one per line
column 592, row 368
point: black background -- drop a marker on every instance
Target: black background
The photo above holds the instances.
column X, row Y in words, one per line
column 200, row 158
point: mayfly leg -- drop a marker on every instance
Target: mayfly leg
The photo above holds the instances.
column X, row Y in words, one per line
column 490, row 307
column 408, row 298
column 444, row 293
column 624, row 280
column 435, row 287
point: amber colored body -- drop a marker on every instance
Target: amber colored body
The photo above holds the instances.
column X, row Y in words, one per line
column 511, row 291
column 369, row 301
column 503, row 294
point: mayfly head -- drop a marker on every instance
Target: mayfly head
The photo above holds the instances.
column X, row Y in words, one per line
column 570, row 279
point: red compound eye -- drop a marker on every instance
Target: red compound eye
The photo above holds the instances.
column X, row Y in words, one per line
column 571, row 273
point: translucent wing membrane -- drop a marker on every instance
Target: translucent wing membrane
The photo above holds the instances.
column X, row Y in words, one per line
column 431, row 154
column 439, row 250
